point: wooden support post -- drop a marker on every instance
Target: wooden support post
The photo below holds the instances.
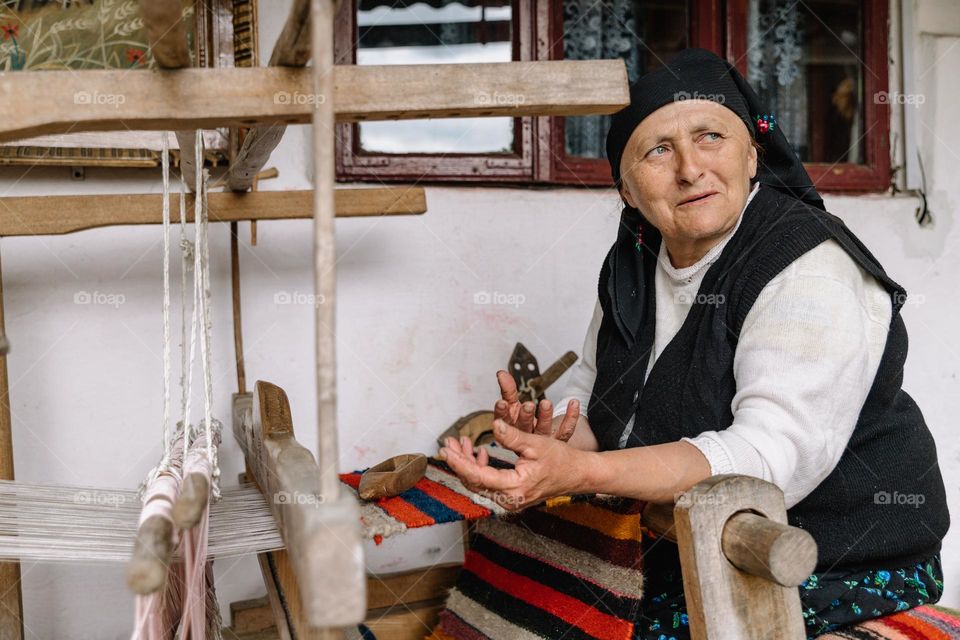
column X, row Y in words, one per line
column 11, row 603
column 163, row 22
column 292, row 50
column 53, row 215
column 320, row 576
column 48, row 102
column 741, row 562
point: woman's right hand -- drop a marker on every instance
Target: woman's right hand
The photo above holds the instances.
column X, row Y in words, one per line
column 530, row 418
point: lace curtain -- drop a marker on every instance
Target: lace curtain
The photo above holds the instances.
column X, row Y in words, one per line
column 597, row 30
column 780, row 57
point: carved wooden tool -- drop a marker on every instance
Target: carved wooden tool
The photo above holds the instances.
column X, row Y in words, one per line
column 392, row 476
column 324, row 558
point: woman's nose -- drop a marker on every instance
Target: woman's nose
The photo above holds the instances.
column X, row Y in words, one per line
column 689, row 166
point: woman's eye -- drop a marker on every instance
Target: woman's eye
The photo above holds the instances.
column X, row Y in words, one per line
column 716, row 136
column 661, row 149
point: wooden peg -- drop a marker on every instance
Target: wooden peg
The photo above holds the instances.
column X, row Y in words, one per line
column 392, row 476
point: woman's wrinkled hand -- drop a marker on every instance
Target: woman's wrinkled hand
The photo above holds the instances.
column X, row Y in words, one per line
column 528, row 416
column 546, row 467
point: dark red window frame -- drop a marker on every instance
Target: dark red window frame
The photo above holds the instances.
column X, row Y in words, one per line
column 874, row 174
column 355, row 164
column 540, row 142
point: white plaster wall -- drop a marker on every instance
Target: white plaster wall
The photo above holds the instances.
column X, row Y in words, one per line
column 415, row 351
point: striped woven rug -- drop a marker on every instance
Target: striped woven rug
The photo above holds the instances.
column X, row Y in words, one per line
column 437, row 498
column 570, row 571
column 926, row 622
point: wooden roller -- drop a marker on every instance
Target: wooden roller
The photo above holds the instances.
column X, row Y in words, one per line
column 741, row 561
column 193, row 498
column 152, row 551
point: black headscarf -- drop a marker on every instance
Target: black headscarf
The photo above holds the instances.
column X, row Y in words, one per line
column 701, row 74
column 691, row 74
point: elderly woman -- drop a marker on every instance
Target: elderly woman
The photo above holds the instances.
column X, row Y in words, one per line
column 740, row 328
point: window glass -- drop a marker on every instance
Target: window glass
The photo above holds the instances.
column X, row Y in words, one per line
column 436, row 32
column 805, row 59
column 645, row 34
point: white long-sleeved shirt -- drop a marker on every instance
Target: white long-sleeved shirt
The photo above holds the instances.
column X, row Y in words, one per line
column 808, row 353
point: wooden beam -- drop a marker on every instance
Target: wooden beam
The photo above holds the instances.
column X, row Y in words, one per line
column 49, row 102
column 53, row 215
column 11, row 603
column 320, row 573
column 292, row 50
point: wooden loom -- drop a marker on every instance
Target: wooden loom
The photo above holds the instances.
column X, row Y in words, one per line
column 319, row 587
column 741, row 562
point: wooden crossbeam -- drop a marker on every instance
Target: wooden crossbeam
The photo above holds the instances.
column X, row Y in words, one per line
column 48, row 102
column 54, row 215
column 292, row 50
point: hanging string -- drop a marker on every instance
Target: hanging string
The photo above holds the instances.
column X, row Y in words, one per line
column 165, row 164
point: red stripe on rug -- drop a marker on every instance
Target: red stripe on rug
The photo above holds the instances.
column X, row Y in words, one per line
column 907, row 625
column 568, row 609
column 455, row 627
column 450, row 498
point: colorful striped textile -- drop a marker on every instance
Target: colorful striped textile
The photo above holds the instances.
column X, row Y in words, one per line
column 926, row 622
column 570, row 570
column 437, row 498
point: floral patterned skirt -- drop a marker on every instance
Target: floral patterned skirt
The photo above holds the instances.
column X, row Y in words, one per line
column 830, row 600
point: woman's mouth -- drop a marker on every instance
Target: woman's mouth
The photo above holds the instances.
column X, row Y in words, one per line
column 697, row 199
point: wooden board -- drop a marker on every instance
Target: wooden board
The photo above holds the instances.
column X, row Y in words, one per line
column 46, row 102
column 52, row 215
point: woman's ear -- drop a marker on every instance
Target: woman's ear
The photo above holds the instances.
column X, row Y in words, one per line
column 752, row 158
column 625, row 195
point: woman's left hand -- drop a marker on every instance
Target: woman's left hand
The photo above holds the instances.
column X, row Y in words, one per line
column 546, row 468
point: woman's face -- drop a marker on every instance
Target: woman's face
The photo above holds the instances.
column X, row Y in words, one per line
column 680, row 153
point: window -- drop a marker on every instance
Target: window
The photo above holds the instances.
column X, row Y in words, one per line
column 435, row 32
column 819, row 64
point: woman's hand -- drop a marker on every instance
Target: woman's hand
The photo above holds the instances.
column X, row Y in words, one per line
column 530, row 418
column 546, row 467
